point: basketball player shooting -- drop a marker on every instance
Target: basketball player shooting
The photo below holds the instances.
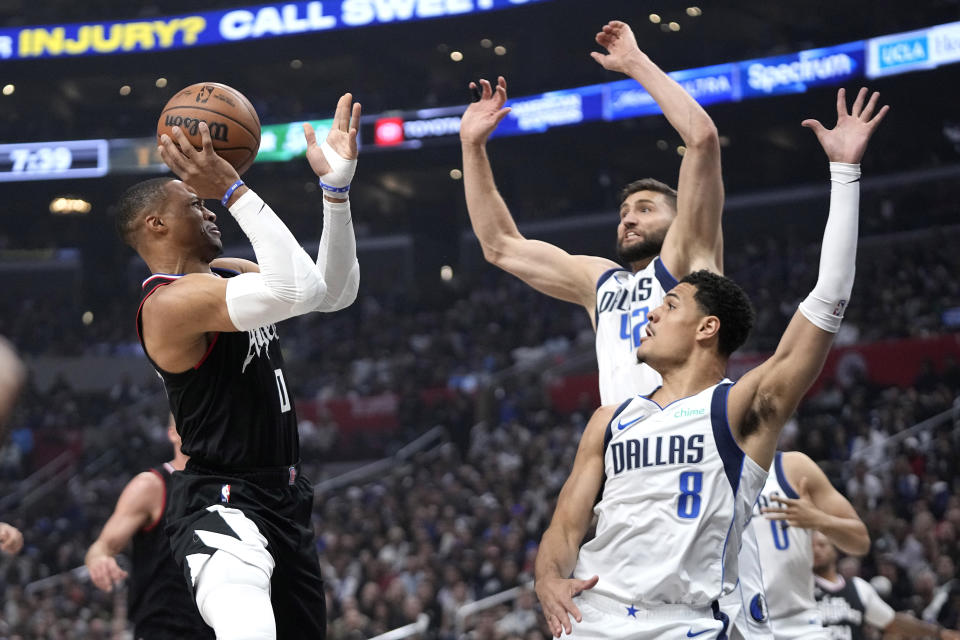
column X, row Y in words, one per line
column 239, row 513
column 680, row 470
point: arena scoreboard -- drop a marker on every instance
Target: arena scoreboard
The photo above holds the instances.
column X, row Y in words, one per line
column 53, row 160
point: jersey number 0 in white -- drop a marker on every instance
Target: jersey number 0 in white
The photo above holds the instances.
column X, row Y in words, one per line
column 282, row 390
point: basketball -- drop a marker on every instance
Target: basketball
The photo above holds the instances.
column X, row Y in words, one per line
column 234, row 125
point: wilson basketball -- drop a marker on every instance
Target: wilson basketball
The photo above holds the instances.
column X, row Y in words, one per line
column 233, row 122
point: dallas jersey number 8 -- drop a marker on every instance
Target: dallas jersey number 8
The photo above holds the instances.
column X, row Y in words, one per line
column 688, row 505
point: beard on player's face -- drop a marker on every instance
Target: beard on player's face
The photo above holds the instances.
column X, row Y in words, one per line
column 644, row 249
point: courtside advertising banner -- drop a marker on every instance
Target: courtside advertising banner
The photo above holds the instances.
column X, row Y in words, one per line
column 913, row 50
column 797, row 72
column 707, row 85
column 224, row 26
column 537, row 114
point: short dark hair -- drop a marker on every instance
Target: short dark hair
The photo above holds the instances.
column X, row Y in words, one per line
column 133, row 202
column 650, row 184
column 720, row 296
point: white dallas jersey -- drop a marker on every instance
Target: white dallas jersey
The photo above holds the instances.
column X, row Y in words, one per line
column 677, row 495
column 786, row 555
column 623, row 301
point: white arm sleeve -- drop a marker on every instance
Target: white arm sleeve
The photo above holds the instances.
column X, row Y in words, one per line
column 875, row 611
column 337, row 257
column 289, row 283
column 825, row 305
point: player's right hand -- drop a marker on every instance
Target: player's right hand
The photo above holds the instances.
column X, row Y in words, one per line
column 621, row 45
column 483, row 116
column 556, row 600
column 105, row 572
column 204, row 172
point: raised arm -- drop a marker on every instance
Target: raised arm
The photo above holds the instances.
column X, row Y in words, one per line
column 286, row 282
column 335, row 162
column 695, row 239
column 767, row 396
column 557, row 555
column 544, row 267
column 819, row 506
column 139, row 506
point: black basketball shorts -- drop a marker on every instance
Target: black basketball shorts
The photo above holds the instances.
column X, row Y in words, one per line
column 263, row 518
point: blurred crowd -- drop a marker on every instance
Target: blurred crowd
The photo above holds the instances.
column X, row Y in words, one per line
column 482, row 323
column 461, row 521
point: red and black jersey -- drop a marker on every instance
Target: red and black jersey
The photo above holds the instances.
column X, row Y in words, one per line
column 232, row 409
column 159, row 603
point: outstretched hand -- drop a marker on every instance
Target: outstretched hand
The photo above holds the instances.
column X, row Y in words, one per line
column 342, row 138
column 483, row 116
column 556, row 600
column 847, row 141
column 618, row 39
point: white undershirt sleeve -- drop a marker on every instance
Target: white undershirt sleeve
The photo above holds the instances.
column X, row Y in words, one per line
column 875, row 611
column 825, row 305
column 337, row 257
column 289, row 282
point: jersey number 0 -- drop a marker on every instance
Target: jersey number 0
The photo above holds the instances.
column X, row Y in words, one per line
column 282, row 390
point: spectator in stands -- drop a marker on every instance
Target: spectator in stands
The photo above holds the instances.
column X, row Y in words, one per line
column 864, row 488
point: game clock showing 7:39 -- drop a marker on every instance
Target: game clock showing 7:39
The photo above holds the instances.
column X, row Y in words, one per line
column 53, row 160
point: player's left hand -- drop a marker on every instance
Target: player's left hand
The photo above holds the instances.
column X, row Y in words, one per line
column 847, row 141
column 949, row 634
column 621, row 45
column 335, row 160
column 556, row 600
column 11, row 540
column 798, row 512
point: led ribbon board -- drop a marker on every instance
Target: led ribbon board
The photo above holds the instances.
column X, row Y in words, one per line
column 731, row 82
column 914, row 50
column 224, row 26
column 282, row 142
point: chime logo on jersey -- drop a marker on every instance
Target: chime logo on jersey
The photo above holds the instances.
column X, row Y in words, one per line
column 259, row 339
column 225, row 493
column 638, row 453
